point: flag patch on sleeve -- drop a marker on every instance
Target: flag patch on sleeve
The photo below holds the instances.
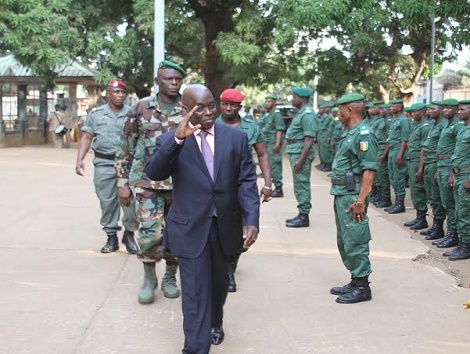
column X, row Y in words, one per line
column 364, row 145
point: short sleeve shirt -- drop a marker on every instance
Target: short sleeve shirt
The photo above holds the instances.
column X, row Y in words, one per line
column 447, row 141
column 303, row 125
column 250, row 127
column 431, row 141
column 418, row 135
column 461, row 156
column 399, row 132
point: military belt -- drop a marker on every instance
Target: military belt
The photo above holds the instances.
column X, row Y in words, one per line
column 426, row 154
column 444, row 156
column 342, row 181
column 414, row 154
column 104, row 156
column 382, row 146
column 460, row 169
column 268, row 134
column 292, row 141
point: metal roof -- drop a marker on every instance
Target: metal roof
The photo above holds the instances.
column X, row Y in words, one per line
column 10, row 67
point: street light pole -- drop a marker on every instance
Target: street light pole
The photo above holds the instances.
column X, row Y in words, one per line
column 433, row 45
column 159, row 37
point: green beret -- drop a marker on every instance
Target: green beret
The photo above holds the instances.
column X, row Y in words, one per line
column 386, row 106
column 407, row 109
column 464, row 102
column 417, row 107
column 436, row 103
column 302, row 92
column 335, row 109
column 397, row 101
column 271, row 97
column 166, row 64
column 378, row 103
column 450, row 102
column 352, row 97
column 369, row 105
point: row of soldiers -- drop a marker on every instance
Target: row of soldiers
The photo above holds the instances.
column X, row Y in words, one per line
column 425, row 147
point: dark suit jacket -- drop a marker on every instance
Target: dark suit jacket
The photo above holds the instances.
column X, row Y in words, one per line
column 233, row 192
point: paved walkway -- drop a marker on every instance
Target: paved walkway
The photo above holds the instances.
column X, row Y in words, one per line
column 60, row 295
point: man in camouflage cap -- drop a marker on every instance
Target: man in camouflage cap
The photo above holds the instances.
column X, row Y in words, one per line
column 148, row 119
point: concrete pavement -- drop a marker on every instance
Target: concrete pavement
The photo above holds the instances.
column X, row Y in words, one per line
column 60, row 295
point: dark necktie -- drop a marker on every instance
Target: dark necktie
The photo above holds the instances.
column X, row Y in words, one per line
column 207, row 153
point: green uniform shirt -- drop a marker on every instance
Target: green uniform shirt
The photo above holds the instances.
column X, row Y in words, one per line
column 337, row 131
column 144, row 123
column 418, row 135
column 447, row 141
column 261, row 121
column 381, row 130
column 400, row 129
column 106, row 128
column 461, row 156
column 373, row 122
column 431, row 141
column 250, row 127
column 301, row 126
column 357, row 152
column 273, row 122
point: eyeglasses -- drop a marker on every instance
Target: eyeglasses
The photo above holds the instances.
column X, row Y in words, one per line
column 229, row 105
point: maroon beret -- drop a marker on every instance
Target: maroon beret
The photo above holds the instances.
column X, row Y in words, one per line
column 117, row 84
column 232, row 95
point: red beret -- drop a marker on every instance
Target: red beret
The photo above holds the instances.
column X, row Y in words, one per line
column 232, row 95
column 117, row 84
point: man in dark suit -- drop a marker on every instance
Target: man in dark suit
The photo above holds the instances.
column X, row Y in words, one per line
column 215, row 210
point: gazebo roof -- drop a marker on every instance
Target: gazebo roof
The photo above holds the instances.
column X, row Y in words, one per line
column 10, row 68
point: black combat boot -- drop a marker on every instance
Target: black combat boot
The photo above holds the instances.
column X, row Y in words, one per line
column 412, row 222
column 451, row 240
column 392, row 206
column 340, row 290
column 376, row 197
column 277, row 193
column 461, row 252
column 302, row 220
column 383, row 203
column 372, row 193
column 326, row 168
column 292, row 219
column 146, row 293
column 400, row 208
column 320, row 166
column 438, row 231
column 129, row 242
column 112, row 244
column 361, row 292
column 430, row 230
column 421, row 222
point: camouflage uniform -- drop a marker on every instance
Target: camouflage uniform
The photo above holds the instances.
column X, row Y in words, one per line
column 144, row 123
column 273, row 122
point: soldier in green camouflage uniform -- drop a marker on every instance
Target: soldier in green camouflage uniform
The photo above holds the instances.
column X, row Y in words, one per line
column 337, row 129
column 148, row 119
column 101, row 132
column 299, row 139
column 445, row 149
column 419, row 131
column 373, row 121
column 397, row 143
column 325, row 129
column 428, row 171
column 354, row 169
column 273, row 132
column 460, row 181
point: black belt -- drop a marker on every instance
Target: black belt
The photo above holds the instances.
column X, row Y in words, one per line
column 104, row 156
column 382, row 146
column 461, row 169
column 342, row 181
column 292, row 141
column 426, row 154
column 414, row 154
column 444, row 156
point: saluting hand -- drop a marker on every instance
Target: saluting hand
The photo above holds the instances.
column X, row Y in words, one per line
column 184, row 129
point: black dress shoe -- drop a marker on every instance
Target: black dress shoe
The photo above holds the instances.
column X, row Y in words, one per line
column 112, row 245
column 128, row 240
column 232, row 285
column 277, row 193
column 302, row 220
column 217, row 335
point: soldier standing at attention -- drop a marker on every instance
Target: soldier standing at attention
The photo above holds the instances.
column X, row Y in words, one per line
column 445, row 149
column 397, row 144
column 419, row 131
column 428, row 169
column 373, row 121
column 353, row 172
column 337, row 130
column 273, row 131
column 299, row 138
column 460, row 181
column 148, row 119
column 230, row 105
column 101, row 132
column 324, row 134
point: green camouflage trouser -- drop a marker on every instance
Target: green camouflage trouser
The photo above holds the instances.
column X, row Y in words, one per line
column 432, row 191
column 382, row 178
column 275, row 161
column 447, row 197
column 105, row 181
column 397, row 175
column 352, row 237
column 462, row 207
column 418, row 190
column 151, row 210
column 302, row 188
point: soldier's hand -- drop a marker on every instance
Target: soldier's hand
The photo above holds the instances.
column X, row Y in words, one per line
column 80, row 168
column 125, row 196
column 276, row 149
column 358, row 212
column 266, row 194
column 297, row 168
column 466, row 185
column 419, row 177
column 250, row 234
column 451, row 180
column 399, row 162
column 382, row 159
column 184, row 129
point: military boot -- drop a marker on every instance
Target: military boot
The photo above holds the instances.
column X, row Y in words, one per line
column 400, row 208
column 112, row 244
column 461, row 252
column 421, row 222
column 146, row 293
column 430, row 230
column 277, row 193
column 438, row 231
column 326, row 168
column 361, row 292
column 373, row 193
column 451, row 240
column 302, row 220
column 320, row 166
column 169, row 286
column 392, row 206
column 292, row 219
column 129, row 242
column 232, row 285
column 383, row 203
column 412, row 222
column 374, row 199
column 340, row 290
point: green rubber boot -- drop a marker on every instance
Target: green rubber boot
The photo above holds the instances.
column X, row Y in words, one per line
column 169, row 287
column 147, row 290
